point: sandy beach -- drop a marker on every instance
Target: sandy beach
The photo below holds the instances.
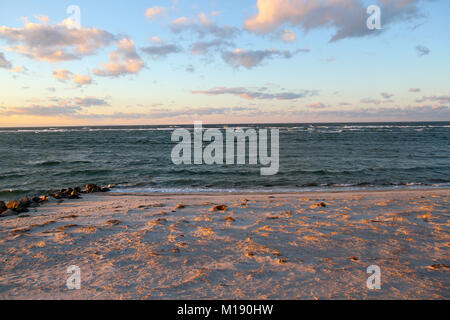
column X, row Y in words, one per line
column 231, row 246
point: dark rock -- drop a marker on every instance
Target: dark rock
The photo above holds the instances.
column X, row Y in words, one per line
column 113, row 222
column 3, row 207
column 91, row 188
column 77, row 189
column 9, row 213
column 36, row 199
column 63, row 194
column 74, row 195
column 57, row 195
column 15, row 205
column 104, row 189
column 67, row 193
column 220, row 208
column 25, row 202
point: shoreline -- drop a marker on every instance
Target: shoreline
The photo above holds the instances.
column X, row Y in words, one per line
column 214, row 193
column 231, row 246
column 33, row 200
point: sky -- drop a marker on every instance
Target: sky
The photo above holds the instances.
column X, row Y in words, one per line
column 78, row 63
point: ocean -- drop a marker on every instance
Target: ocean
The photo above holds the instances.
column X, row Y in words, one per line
column 35, row 161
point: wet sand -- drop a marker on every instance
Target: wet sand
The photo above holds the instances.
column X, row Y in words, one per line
column 261, row 246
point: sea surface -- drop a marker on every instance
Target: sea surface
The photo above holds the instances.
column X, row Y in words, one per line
column 312, row 157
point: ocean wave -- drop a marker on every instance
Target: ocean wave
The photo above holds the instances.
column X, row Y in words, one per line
column 333, row 187
column 50, row 163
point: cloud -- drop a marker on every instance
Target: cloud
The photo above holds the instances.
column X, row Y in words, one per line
column 422, row 51
column 203, row 47
column 56, row 42
column 90, row 102
column 409, row 113
column 65, row 75
column 42, row 111
column 62, row 107
column 122, row 61
column 19, row 69
column 42, row 18
column 347, row 17
column 260, row 93
column 156, row 39
column 190, row 68
column 202, row 26
column 370, row 101
column 5, row 64
column 438, row 99
column 387, row 95
column 316, row 105
column 289, row 36
column 167, row 113
column 155, row 11
column 62, row 74
column 161, row 50
column 82, row 80
column 115, row 115
column 252, row 58
column 189, row 112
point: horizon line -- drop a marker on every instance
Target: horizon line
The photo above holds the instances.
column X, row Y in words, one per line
column 215, row 124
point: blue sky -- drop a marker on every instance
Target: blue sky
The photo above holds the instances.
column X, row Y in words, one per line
column 171, row 62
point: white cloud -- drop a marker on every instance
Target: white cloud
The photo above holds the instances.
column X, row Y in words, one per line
column 62, row 74
column 347, row 17
column 65, row 75
column 387, row 95
column 259, row 93
column 289, row 36
column 82, row 80
column 5, row 64
column 202, row 26
column 55, row 42
column 371, row 101
column 252, row 58
column 316, row 105
column 156, row 39
column 438, row 99
column 422, row 51
column 204, row 47
column 122, row 61
column 162, row 50
column 156, row 11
